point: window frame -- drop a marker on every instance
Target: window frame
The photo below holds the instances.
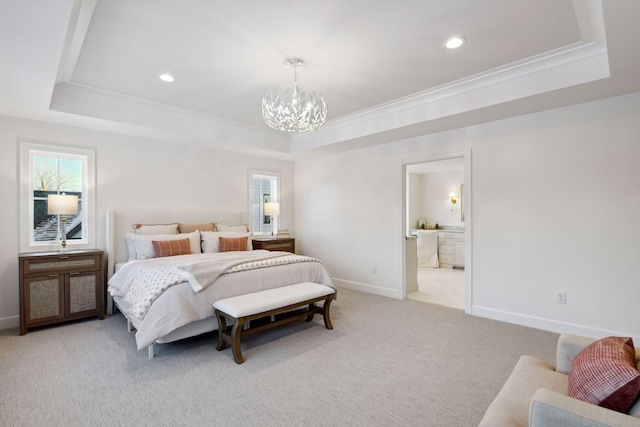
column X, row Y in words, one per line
column 275, row 197
column 30, row 149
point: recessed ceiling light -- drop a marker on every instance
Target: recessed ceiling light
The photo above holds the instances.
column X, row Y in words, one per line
column 167, row 78
column 455, row 42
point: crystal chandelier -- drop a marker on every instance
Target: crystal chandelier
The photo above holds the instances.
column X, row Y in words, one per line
column 294, row 111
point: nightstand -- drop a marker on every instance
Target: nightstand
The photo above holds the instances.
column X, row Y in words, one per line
column 285, row 244
column 60, row 286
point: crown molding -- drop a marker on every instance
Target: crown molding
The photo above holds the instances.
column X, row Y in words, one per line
column 572, row 65
column 220, row 133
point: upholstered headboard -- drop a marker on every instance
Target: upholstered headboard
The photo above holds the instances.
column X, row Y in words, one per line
column 119, row 223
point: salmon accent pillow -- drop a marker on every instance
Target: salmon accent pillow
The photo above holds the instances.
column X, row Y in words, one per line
column 164, row 248
column 228, row 244
column 604, row 373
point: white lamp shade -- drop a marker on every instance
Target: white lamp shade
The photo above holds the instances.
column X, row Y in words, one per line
column 62, row 204
column 272, row 209
column 452, row 194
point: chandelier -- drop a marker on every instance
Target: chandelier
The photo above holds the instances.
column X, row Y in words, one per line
column 294, row 111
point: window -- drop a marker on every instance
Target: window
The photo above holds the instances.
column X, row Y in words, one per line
column 264, row 189
column 47, row 170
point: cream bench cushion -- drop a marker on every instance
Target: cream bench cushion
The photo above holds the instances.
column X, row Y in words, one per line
column 271, row 299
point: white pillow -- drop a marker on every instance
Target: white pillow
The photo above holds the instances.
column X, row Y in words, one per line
column 145, row 229
column 141, row 246
column 210, row 239
column 235, row 228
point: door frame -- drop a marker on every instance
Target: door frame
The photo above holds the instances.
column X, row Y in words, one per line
column 468, row 222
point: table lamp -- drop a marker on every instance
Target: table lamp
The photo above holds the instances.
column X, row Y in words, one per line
column 272, row 209
column 62, row 205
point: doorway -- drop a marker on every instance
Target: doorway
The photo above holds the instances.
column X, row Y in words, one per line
column 437, row 195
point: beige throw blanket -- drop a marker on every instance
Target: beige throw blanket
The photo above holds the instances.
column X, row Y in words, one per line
column 203, row 273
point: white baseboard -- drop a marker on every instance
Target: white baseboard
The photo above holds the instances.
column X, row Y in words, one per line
column 548, row 324
column 364, row 287
column 9, row 322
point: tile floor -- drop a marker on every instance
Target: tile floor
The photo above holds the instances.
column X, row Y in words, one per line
column 444, row 286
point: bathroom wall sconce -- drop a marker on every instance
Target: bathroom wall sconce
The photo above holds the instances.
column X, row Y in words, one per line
column 452, row 195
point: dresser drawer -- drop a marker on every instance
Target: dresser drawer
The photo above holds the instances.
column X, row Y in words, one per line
column 284, row 244
column 445, row 249
column 62, row 262
column 445, row 258
column 278, row 246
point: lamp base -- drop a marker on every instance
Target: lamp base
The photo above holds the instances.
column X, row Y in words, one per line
column 63, row 240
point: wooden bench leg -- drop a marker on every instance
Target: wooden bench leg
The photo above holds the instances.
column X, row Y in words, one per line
column 325, row 312
column 312, row 311
column 222, row 330
column 236, row 333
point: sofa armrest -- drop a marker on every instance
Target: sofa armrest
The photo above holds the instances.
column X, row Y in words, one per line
column 549, row 408
column 568, row 347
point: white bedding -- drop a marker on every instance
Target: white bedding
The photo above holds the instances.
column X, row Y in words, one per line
column 179, row 304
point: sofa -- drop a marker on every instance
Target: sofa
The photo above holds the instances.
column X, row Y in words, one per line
column 535, row 394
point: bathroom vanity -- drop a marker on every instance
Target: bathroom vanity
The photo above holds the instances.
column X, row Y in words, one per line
column 451, row 248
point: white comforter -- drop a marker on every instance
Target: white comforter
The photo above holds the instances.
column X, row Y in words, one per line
column 180, row 305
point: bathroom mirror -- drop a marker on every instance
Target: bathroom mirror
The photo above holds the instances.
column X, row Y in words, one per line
column 462, row 202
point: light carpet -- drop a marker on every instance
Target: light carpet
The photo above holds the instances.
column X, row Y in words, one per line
column 387, row 363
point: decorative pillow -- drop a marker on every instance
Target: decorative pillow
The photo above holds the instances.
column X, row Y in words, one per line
column 143, row 244
column 146, row 229
column 229, row 244
column 165, row 248
column 604, row 373
column 235, row 228
column 211, row 240
column 190, row 228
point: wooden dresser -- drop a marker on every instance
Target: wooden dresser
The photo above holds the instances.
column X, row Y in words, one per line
column 285, row 244
column 60, row 286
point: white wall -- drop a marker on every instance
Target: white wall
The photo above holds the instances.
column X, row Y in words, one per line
column 556, row 202
column 131, row 173
column 436, row 206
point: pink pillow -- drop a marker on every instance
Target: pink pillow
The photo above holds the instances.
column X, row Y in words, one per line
column 604, row 374
column 228, row 244
column 164, row 248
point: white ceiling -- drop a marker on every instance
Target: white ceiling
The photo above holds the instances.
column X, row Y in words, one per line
column 380, row 65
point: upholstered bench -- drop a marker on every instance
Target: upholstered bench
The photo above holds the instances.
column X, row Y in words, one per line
column 271, row 302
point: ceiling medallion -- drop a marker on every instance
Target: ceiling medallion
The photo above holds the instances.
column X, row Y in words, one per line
column 294, row 111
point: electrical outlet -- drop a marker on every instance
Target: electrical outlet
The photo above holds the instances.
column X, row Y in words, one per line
column 561, row 297
column 374, row 270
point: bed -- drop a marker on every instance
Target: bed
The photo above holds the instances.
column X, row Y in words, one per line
column 183, row 309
